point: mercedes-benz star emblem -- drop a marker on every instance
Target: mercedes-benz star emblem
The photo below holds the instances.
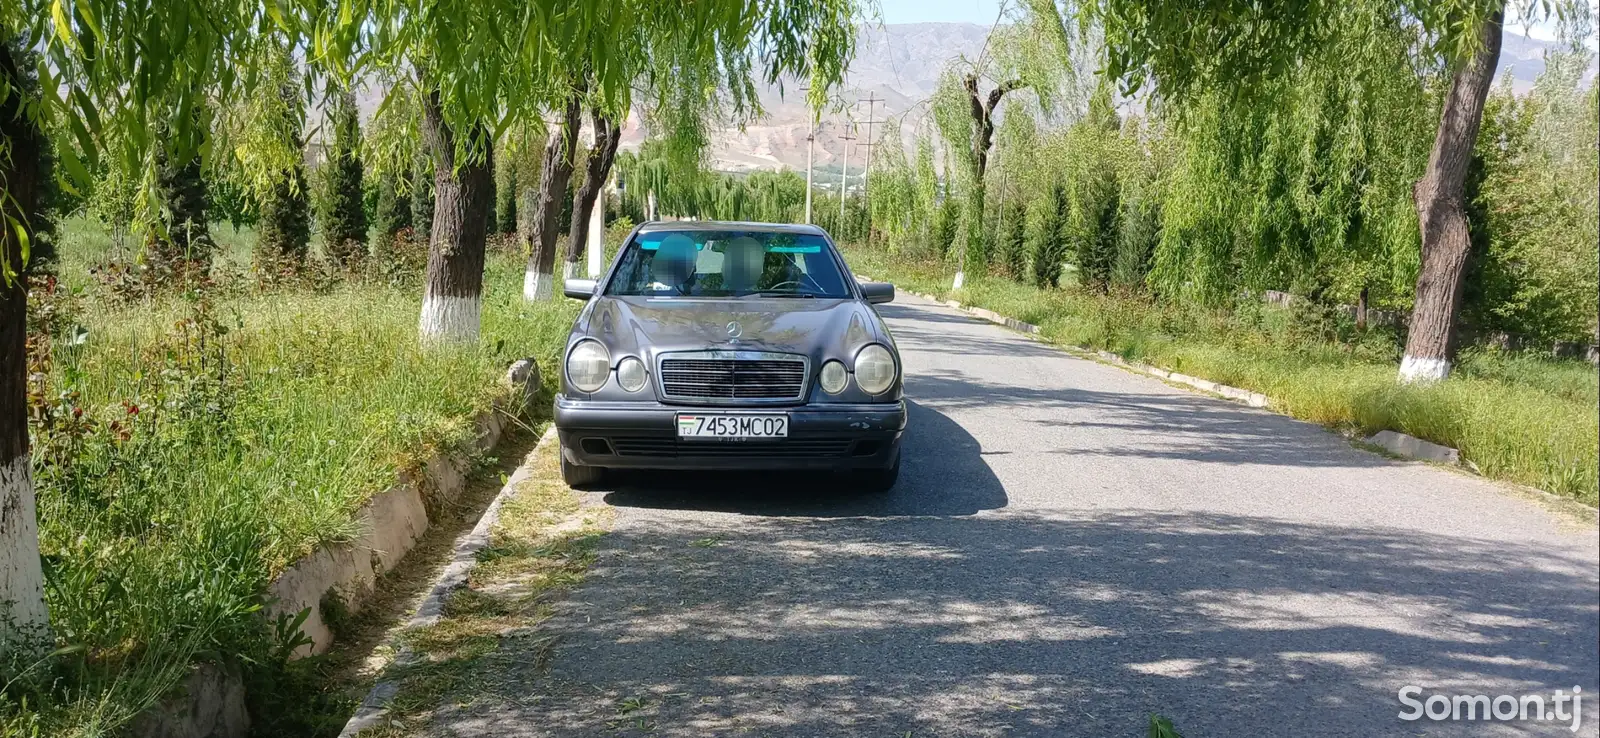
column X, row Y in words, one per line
column 733, row 329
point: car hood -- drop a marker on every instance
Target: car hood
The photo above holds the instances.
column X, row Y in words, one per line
column 646, row 326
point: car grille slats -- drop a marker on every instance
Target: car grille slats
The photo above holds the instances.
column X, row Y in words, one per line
column 733, row 379
column 671, row 448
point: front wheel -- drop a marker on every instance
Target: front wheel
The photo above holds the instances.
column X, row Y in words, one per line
column 874, row 481
column 579, row 477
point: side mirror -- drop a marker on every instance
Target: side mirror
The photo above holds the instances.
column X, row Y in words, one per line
column 579, row 289
column 877, row 292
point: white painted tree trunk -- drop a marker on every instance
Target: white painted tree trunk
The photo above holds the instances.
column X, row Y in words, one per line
column 448, row 318
column 597, row 238
column 23, row 618
column 569, row 269
column 1422, row 369
column 536, row 286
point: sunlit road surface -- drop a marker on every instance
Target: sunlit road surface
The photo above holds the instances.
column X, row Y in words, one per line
column 1071, row 547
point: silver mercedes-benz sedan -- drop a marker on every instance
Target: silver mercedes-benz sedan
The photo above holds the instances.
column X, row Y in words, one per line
column 730, row 346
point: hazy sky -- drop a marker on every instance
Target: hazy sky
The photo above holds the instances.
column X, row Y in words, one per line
column 940, row 11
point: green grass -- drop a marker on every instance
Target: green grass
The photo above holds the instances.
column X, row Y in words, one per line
column 198, row 444
column 1518, row 417
column 86, row 244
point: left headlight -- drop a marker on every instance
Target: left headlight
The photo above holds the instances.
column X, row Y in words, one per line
column 588, row 365
column 631, row 374
column 875, row 369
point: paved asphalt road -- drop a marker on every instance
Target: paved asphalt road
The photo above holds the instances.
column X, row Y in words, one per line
column 1070, row 548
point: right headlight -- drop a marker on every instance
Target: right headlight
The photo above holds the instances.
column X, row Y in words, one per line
column 875, row 369
column 588, row 365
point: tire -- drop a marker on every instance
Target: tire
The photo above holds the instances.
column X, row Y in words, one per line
column 878, row 481
column 581, row 477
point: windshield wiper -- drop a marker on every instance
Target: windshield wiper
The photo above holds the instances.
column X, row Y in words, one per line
column 780, row 294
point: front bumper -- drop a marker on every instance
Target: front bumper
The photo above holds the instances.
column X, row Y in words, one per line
column 643, row 435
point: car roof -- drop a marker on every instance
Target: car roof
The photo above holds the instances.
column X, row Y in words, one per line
column 657, row 226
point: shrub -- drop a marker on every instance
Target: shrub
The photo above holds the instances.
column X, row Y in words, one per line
column 946, row 222
column 1013, row 245
column 1049, row 236
column 422, row 198
column 344, row 217
column 393, row 212
column 505, row 205
column 285, row 229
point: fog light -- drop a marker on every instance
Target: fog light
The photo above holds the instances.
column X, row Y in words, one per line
column 833, row 377
column 631, row 374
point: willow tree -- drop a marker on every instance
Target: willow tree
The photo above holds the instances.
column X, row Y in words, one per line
column 1304, row 186
column 267, row 133
column 125, row 83
column 1191, row 47
column 904, row 191
column 1033, row 52
column 24, row 624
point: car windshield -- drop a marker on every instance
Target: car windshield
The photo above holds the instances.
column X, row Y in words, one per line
column 727, row 263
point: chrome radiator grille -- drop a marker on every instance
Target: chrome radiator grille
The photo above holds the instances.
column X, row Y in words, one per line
column 707, row 378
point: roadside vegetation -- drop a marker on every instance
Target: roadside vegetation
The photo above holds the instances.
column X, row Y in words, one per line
column 190, row 444
column 1516, row 416
column 1156, row 233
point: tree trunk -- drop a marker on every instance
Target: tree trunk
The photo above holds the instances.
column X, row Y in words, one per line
column 606, row 138
column 462, row 201
column 24, row 620
column 1442, row 214
column 559, row 153
column 975, row 255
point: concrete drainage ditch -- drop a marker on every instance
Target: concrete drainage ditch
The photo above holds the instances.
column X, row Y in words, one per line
column 340, row 577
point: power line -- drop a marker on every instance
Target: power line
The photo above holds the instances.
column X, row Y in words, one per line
column 866, row 181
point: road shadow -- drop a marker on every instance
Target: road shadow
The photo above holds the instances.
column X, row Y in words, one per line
column 941, row 473
column 1027, row 625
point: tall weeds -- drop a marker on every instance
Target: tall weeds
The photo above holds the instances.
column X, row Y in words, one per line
column 190, row 446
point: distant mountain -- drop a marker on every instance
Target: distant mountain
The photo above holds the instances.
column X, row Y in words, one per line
column 900, row 64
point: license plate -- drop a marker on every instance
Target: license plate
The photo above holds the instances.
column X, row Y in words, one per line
column 712, row 427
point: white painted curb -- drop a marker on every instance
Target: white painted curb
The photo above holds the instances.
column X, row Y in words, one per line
column 1416, row 448
column 463, row 559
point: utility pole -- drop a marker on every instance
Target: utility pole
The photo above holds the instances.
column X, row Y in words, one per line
column 811, row 141
column 811, row 147
column 866, row 172
column 872, row 105
column 844, row 177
